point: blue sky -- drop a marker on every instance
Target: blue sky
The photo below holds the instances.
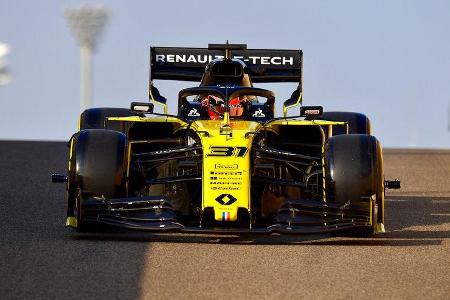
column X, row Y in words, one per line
column 387, row 59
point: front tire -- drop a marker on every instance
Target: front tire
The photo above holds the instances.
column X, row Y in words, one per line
column 353, row 170
column 97, row 169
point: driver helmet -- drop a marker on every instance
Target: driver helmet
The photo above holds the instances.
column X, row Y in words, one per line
column 236, row 108
column 216, row 107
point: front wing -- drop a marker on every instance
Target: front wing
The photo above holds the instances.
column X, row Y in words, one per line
column 294, row 217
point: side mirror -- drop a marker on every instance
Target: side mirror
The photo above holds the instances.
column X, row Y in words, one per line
column 142, row 107
column 156, row 97
column 293, row 101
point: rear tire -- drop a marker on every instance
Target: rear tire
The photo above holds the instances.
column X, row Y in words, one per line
column 94, row 118
column 98, row 169
column 354, row 169
column 357, row 123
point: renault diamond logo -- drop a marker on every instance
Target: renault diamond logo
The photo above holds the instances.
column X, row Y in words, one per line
column 226, row 199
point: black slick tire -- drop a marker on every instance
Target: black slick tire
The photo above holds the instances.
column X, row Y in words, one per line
column 95, row 118
column 98, row 168
column 354, row 170
column 357, row 123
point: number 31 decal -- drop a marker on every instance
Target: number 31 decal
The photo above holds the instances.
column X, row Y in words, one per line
column 227, row 151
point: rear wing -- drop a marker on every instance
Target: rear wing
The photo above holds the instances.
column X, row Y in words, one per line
column 263, row 65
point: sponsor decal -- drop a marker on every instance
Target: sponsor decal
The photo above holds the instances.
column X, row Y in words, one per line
column 227, row 166
column 226, row 199
column 223, row 188
column 225, row 183
column 225, row 173
column 279, row 152
column 203, row 58
column 258, row 114
column 144, row 108
column 193, row 113
column 169, row 151
column 312, row 112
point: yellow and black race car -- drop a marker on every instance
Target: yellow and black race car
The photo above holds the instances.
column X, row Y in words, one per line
column 225, row 163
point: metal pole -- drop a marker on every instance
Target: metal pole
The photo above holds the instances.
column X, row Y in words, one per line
column 85, row 77
column 87, row 23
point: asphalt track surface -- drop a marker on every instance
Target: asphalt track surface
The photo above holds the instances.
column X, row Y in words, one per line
column 40, row 259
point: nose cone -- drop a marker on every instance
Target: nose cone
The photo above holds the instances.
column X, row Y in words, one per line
column 226, row 169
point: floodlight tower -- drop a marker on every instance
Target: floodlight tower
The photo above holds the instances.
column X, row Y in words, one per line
column 5, row 78
column 87, row 23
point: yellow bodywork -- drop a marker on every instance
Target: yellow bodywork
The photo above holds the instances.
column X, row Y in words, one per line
column 226, row 167
column 226, row 174
column 71, row 222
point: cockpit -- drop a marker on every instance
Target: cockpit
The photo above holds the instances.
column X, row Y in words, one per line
column 213, row 102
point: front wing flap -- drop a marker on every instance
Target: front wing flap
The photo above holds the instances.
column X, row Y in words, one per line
column 156, row 214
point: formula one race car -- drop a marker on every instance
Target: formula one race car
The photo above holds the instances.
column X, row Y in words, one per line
column 224, row 163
